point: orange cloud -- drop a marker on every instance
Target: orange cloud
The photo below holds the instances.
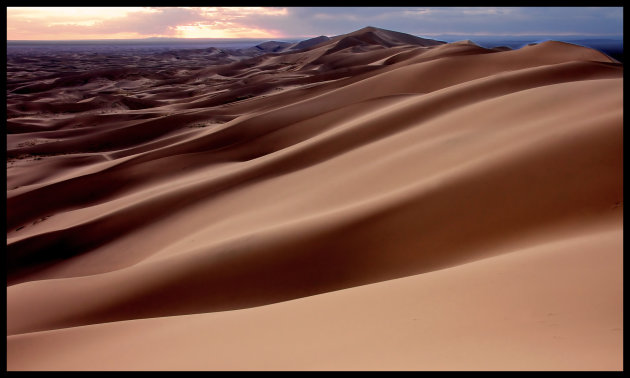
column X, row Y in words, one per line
column 50, row 23
column 208, row 31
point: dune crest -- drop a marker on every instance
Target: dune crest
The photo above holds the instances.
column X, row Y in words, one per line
column 215, row 192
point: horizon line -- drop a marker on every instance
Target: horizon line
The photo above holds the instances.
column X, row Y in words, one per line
column 430, row 35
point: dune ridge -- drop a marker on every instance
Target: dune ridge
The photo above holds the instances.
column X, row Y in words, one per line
column 185, row 197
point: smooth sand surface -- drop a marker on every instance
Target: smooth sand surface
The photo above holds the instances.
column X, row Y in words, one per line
column 538, row 308
column 373, row 201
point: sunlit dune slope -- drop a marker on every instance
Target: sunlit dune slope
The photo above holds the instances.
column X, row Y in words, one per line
column 368, row 201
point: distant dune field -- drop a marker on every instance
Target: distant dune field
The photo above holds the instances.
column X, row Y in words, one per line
column 371, row 201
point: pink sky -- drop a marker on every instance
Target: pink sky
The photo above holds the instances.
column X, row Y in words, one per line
column 56, row 23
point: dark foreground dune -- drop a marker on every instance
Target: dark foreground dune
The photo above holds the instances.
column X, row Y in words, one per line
column 365, row 202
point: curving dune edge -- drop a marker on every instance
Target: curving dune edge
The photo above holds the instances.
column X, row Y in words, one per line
column 372, row 201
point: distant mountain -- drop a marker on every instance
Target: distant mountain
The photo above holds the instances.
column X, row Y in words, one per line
column 308, row 43
column 367, row 36
column 272, row 46
column 370, row 37
column 389, row 38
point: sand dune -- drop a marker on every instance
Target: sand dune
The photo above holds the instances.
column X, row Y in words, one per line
column 371, row 201
column 531, row 309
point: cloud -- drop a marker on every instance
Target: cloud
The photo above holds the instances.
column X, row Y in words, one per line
column 313, row 21
column 162, row 21
column 298, row 22
column 79, row 22
column 31, row 23
column 417, row 12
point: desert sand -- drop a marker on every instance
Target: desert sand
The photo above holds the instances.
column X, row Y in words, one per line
column 370, row 201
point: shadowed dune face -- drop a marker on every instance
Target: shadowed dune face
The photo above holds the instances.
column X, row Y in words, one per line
column 212, row 182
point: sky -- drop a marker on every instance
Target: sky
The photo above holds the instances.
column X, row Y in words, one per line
column 76, row 23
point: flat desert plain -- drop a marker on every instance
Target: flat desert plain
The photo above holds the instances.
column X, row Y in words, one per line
column 370, row 201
